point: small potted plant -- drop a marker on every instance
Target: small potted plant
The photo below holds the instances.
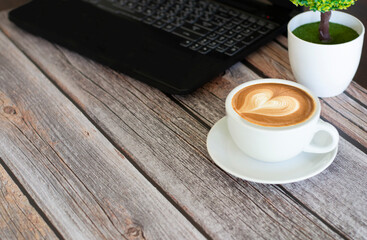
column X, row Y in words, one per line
column 325, row 46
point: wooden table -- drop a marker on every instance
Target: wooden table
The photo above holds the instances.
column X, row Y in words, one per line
column 89, row 153
column 359, row 10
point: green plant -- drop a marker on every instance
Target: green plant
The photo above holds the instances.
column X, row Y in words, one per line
column 324, row 7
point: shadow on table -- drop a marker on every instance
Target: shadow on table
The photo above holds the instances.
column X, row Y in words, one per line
column 359, row 10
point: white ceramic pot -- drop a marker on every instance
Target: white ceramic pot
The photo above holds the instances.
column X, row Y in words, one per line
column 326, row 70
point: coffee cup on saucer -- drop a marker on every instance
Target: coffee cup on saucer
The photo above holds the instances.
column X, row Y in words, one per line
column 274, row 120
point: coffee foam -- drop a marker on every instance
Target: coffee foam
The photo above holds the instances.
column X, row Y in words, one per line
column 273, row 104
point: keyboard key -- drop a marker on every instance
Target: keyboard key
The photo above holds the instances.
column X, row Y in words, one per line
column 252, row 19
column 163, row 8
column 202, row 25
column 206, row 24
column 204, row 50
column 255, row 26
column 247, row 32
column 246, row 23
column 178, row 22
column 224, row 15
column 207, row 16
column 204, row 41
column 237, row 20
column 232, row 51
column 148, row 12
column 130, row 5
column 229, row 25
column 186, row 43
column 203, row 3
column 213, row 44
column 221, row 39
column 139, row 8
column 238, row 28
column 149, row 20
column 168, row 19
column 152, row 5
column 186, row 34
column 191, row 19
column 222, row 9
column 244, row 16
column 233, row 12
column 251, row 38
column 264, row 30
column 195, row 29
column 230, row 33
column 195, row 46
column 235, row 49
column 261, row 23
column 221, row 48
column 218, row 21
column 158, row 15
column 159, row 24
column 212, row 35
column 169, row 27
column 230, row 42
column 212, row 7
column 221, row 30
column 239, row 36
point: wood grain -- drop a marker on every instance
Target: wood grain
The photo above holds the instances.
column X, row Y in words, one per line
column 331, row 194
column 165, row 136
column 337, row 194
column 355, row 89
column 359, row 11
column 84, row 185
column 343, row 111
column 18, row 218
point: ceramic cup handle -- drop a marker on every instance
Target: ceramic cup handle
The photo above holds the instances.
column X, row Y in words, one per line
column 324, row 148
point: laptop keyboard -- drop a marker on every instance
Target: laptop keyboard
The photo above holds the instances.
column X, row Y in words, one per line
column 203, row 25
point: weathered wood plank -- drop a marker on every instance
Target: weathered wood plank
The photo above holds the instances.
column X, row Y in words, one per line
column 340, row 111
column 355, row 90
column 338, row 195
column 282, row 40
column 344, row 111
column 84, row 185
column 346, row 220
column 169, row 145
column 347, row 112
column 18, row 218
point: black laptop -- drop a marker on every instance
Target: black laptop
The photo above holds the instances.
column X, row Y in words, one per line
column 173, row 45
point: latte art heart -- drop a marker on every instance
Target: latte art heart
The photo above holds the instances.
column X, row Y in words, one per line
column 261, row 102
column 273, row 104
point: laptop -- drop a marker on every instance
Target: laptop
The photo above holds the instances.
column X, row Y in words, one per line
column 173, row 45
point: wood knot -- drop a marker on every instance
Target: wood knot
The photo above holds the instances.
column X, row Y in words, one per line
column 10, row 110
column 135, row 233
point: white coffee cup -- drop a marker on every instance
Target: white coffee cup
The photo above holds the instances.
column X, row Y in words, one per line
column 274, row 144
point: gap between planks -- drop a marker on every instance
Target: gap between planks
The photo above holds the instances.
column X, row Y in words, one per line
column 27, row 221
column 168, row 210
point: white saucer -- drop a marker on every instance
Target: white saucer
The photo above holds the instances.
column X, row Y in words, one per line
column 231, row 159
